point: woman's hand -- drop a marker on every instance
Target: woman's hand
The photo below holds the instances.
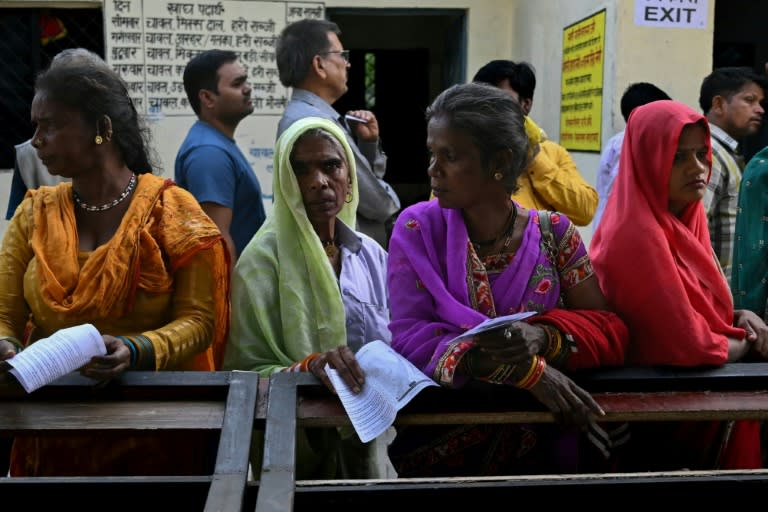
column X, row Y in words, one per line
column 514, row 344
column 7, row 350
column 570, row 404
column 343, row 360
column 757, row 331
column 104, row 368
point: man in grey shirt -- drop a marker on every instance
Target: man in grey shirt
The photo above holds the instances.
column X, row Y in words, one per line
column 311, row 60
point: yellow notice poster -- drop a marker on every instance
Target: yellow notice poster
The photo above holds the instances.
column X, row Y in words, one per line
column 581, row 100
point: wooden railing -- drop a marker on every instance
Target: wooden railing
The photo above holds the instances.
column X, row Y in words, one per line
column 234, row 403
column 736, row 391
column 138, row 401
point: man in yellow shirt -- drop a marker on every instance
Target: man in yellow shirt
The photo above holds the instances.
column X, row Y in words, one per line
column 551, row 181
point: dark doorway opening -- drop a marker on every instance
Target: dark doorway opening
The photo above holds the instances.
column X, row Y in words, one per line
column 400, row 60
column 31, row 37
column 739, row 40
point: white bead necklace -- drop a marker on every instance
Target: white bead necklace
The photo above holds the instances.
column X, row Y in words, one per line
column 89, row 208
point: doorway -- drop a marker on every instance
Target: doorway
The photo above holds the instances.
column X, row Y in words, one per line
column 400, row 60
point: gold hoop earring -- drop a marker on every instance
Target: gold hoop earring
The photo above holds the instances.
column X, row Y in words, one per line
column 37, row 142
column 348, row 198
column 498, row 176
column 98, row 140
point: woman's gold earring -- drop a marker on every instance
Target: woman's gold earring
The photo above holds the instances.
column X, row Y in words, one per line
column 348, row 199
column 497, row 176
column 98, row 140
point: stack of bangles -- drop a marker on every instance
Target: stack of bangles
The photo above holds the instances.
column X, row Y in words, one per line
column 533, row 376
column 503, row 373
column 303, row 365
column 558, row 346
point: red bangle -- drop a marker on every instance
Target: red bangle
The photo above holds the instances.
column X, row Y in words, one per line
column 534, row 375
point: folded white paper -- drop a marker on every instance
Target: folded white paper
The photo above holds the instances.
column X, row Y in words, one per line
column 494, row 323
column 391, row 381
column 50, row 358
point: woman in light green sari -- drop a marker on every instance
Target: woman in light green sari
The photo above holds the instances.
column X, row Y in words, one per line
column 309, row 289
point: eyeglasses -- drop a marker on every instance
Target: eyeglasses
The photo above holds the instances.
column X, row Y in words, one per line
column 343, row 53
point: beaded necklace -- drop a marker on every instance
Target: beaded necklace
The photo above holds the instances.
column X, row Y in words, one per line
column 508, row 230
column 89, row 208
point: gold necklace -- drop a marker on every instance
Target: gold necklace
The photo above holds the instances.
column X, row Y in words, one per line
column 331, row 247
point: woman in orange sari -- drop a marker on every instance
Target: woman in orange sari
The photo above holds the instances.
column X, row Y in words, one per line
column 119, row 248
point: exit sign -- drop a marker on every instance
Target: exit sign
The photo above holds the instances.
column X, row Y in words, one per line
column 671, row 13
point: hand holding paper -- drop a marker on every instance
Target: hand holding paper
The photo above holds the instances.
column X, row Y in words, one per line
column 391, row 381
column 50, row 358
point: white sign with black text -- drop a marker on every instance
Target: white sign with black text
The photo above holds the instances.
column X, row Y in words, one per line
column 671, row 13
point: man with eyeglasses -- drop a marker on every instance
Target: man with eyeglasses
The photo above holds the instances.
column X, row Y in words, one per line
column 312, row 60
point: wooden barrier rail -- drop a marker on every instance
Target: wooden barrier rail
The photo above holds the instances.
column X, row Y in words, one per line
column 234, row 402
column 735, row 391
column 138, row 401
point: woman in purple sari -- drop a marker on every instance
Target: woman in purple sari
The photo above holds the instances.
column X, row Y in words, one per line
column 474, row 254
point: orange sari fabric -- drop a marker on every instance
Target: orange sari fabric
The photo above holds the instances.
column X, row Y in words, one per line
column 162, row 230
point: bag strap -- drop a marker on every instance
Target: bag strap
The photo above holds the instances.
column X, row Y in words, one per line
column 548, row 236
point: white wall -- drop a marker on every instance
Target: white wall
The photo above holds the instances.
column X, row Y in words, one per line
column 531, row 30
column 674, row 59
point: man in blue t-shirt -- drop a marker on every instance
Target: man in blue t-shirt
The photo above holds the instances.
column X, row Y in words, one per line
column 209, row 164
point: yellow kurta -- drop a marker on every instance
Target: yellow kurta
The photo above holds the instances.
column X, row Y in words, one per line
column 163, row 275
column 552, row 182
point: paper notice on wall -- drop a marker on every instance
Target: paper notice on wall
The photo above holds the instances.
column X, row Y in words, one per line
column 391, row 381
column 50, row 358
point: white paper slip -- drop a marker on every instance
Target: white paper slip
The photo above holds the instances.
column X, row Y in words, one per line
column 493, row 323
column 50, row 358
column 350, row 117
column 391, row 381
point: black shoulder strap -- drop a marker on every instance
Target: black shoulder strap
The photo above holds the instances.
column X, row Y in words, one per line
column 548, row 236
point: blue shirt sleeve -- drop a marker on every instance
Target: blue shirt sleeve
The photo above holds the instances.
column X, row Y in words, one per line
column 211, row 176
column 18, row 191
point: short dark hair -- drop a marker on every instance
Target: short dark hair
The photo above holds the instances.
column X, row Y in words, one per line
column 637, row 94
column 521, row 76
column 726, row 82
column 297, row 45
column 96, row 91
column 492, row 118
column 202, row 72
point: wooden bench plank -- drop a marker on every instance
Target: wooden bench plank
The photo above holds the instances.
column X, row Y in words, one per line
column 231, row 471
column 102, row 415
column 278, row 475
column 683, row 405
column 599, row 491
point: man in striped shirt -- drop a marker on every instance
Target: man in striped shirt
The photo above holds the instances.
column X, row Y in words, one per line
column 731, row 98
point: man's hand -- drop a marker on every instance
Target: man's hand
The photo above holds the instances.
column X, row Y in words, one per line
column 367, row 131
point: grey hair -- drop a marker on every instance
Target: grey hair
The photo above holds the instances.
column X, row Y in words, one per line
column 78, row 56
column 492, row 118
column 322, row 134
column 298, row 44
